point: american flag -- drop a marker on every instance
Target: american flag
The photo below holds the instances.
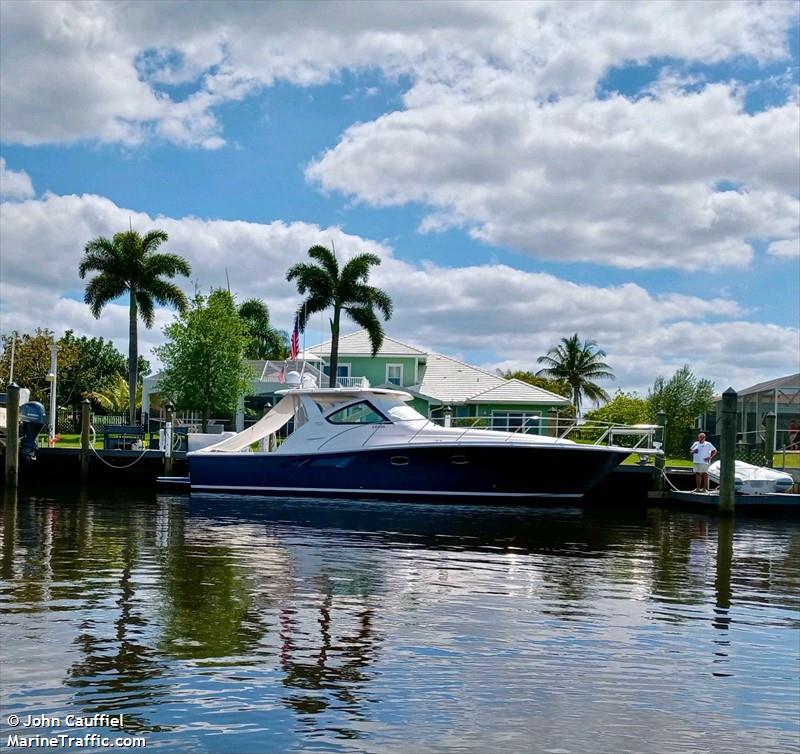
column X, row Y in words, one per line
column 294, row 344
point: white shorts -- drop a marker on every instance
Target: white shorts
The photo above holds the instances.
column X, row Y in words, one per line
column 700, row 468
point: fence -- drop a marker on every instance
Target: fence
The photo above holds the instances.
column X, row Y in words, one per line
column 751, row 448
column 68, row 421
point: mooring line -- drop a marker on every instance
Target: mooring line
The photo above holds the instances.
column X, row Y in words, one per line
column 112, row 465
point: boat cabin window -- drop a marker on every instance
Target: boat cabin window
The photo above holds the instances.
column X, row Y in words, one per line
column 362, row 412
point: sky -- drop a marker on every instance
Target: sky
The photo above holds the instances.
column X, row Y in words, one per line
column 629, row 171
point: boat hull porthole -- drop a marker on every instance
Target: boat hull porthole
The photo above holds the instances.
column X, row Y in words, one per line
column 459, row 460
column 399, row 460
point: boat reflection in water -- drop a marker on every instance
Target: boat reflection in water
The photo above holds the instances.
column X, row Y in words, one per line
column 370, row 443
column 273, row 624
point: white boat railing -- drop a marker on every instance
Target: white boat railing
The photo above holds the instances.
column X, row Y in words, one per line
column 587, row 431
column 645, row 444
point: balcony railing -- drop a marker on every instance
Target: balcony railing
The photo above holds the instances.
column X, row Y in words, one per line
column 361, row 382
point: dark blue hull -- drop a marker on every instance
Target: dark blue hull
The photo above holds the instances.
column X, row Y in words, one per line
column 504, row 474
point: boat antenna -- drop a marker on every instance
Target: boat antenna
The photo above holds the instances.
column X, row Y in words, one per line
column 228, row 281
column 130, row 224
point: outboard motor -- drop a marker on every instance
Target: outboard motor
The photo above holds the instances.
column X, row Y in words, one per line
column 32, row 418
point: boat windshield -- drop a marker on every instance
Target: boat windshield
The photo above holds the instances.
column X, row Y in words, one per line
column 362, row 412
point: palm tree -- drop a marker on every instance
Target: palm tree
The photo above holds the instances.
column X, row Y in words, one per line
column 128, row 263
column 115, row 396
column 265, row 341
column 577, row 364
column 345, row 290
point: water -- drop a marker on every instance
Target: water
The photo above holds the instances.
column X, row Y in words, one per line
column 227, row 624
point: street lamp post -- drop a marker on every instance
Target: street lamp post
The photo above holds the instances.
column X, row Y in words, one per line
column 52, row 378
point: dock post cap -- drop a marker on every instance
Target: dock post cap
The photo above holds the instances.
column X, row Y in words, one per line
column 730, row 391
column 14, row 385
column 86, row 400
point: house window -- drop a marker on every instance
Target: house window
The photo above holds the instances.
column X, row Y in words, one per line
column 394, row 374
column 342, row 370
column 515, row 421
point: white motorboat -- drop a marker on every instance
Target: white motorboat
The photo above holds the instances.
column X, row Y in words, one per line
column 754, row 480
column 371, row 443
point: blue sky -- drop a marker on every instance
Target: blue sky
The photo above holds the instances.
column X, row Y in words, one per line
column 525, row 170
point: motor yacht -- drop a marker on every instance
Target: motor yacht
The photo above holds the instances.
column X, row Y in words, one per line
column 370, row 443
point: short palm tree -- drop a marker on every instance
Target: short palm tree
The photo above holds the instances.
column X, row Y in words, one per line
column 129, row 263
column 115, row 396
column 578, row 364
column 265, row 341
column 326, row 286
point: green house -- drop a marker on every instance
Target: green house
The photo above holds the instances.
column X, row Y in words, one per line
column 441, row 384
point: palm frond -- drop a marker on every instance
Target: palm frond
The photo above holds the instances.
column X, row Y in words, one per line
column 357, row 269
column 169, row 265
column 327, row 259
column 167, row 294
column 365, row 317
column 152, row 240
column 101, row 290
column 256, row 311
column 144, row 301
column 312, row 305
column 309, row 278
column 367, row 295
column 99, row 255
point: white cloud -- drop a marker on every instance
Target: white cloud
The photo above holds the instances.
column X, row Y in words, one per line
column 614, row 181
column 75, row 71
column 501, row 130
column 788, row 248
column 463, row 310
column 14, row 184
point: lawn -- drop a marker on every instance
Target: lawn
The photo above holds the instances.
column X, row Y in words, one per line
column 792, row 461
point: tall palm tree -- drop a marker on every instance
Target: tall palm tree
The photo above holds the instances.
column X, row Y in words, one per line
column 345, row 289
column 265, row 341
column 578, row 364
column 129, row 263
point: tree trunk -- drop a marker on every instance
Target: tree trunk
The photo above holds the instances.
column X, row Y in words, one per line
column 133, row 360
column 334, row 345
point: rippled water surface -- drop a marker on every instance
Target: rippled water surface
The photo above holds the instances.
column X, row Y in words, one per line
column 229, row 624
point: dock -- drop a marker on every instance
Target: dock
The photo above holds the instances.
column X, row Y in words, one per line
column 783, row 500
column 140, row 467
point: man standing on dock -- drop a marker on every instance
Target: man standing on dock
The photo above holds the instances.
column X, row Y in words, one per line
column 702, row 454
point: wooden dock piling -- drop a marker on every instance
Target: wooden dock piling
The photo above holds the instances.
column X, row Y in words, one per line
column 769, row 439
column 168, row 439
column 12, row 436
column 86, row 423
column 727, row 449
column 660, row 436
